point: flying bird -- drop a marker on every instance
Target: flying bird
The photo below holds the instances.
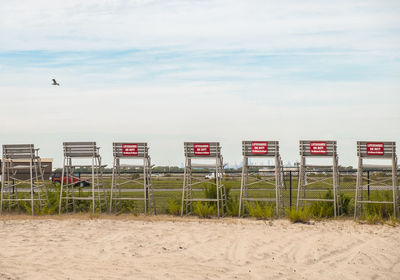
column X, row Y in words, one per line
column 55, row 83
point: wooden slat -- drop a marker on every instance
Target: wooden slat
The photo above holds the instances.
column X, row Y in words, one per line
column 305, row 150
column 80, row 149
column 389, row 149
column 142, row 150
column 18, row 151
column 272, row 150
column 215, row 149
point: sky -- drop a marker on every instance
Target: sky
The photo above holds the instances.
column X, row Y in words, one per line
column 166, row 72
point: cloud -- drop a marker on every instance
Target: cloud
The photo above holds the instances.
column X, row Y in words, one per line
column 266, row 25
column 172, row 71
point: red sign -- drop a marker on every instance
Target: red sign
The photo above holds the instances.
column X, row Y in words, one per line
column 375, row 149
column 259, row 148
column 318, row 148
column 129, row 150
column 201, row 149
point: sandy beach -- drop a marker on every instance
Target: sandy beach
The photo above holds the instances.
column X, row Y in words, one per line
column 162, row 247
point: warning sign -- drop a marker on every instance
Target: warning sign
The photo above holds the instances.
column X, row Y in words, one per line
column 129, row 149
column 201, row 149
column 375, row 149
column 318, row 148
column 259, row 148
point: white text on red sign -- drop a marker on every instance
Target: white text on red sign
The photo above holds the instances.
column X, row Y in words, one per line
column 129, row 149
column 201, row 149
column 318, row 148
column 375, row 149
column 259, row 147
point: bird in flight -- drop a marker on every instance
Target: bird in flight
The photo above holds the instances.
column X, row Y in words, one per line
column 55, row 83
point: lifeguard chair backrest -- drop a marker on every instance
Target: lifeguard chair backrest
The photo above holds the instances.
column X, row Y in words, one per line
column 374, row 149
column 130, row 150
column 18, row 151
column 318, row 148
column 260, row 148
column 80, row 149
column 202, row 149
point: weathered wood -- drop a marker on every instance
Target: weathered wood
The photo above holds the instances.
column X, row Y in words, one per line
column 12, row 155
column 136, row 152
column 318, row 149
column 261, row 149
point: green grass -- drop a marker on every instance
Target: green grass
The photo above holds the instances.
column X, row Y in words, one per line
column 174, row 207
column 233, row 206
column 169, row 202
column 298, row 216
column 204, row 209
column 262, row 211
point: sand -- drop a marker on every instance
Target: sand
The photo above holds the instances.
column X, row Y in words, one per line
column 77, row 247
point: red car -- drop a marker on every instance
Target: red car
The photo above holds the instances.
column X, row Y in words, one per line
column 76, row 178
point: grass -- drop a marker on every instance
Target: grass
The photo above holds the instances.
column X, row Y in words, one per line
column 169, row 202
column 298, row 216
column 233, row 206
column 173, row 207
column 204, row 209
column 322, row 209
column 262, row 211
column 126, row 206
column 383, row 210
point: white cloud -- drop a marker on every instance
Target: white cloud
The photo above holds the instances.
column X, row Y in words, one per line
column 223, row 24
column 194, row 97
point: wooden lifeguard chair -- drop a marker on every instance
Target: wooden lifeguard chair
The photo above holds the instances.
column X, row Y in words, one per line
column 73, row 188
column 368, row 150
column 16, row 159
column 318, row 149
column 137, row 154
column 195, row 152
column 272, row 178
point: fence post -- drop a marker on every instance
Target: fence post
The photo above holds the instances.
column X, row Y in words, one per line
column 290, row 189
column 368, row 183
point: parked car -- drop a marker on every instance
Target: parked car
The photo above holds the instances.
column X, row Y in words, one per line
column 211, row 176
column 75, row 178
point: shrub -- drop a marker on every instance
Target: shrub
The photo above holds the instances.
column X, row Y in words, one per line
column 260, row 210
column 322, row 209
column 51, row 207
column 204, row 210
column 25, row 206
column 374, row 219
column 127, row 206
column 210, row 190
column 393, row 221
column 385, row 211
column 347, row 204
column 233, row 206
column 298, row 216
column 173, row 207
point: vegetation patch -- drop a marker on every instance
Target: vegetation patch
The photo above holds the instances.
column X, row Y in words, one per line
column 262, row 211
column 204, row 210
column 298, row 216
column 173, row 207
